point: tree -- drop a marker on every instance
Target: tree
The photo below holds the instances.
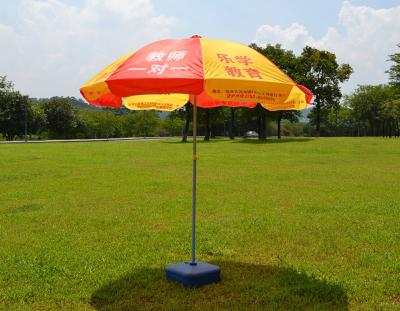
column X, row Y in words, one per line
column 391, row 109
column 172, row 125
column 61, row 117
column 188, row 117
column 128, row 124
column 341, row 121
column 232, row 123
column 261, row 122
column 184, row 115
column 15, row 111
column 213, row 120
column 110, row 123
column 146, row 123
column 367, row 103
column 284, row 59
column 292, row 116
column 394, row 71
column 319, row 71
column 6, row 86
column 38, row 123
column 207, row 121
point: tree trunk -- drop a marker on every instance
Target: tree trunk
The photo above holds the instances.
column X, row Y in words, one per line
column 262, row 133
column 232, row 125
column 207, row 134
column 383, row 129
column 186, row 128
column 318, row 121
column 336, row 121
column 144, row 121
column 279, row 124
column 212, row 127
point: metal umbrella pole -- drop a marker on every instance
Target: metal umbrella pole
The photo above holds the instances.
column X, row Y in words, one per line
column 193, row 273
column 193, row 262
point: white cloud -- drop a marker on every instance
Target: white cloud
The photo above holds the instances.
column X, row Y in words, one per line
column 293, row 37
column 368, row 37
column 54, row 47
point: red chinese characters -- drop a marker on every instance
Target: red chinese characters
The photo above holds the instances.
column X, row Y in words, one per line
column 236, row 72
column 244, row 60
column 253, row 73
column 225, row 58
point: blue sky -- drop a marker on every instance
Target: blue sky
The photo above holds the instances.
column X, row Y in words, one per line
column 51, row 47
column 237, row 20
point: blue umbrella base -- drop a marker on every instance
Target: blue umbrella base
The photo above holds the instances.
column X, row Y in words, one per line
column 193, row 275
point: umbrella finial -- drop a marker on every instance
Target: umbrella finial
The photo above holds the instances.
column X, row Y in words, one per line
column 195, row 37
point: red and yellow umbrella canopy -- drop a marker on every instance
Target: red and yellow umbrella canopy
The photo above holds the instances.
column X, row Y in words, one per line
column 166, row 74
column 218, row 72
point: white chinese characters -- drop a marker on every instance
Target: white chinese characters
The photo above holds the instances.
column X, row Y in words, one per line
column 158, row 69
column 166, row 58
column 176, row 55
column 159, row 56
column 155, row 57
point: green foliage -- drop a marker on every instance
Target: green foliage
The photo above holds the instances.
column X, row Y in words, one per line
column 391, row 110
column 284, row 59
column 371, row 107
column 172, row 125
column 394, row 71
column 61, row 116
column 106, row 124
column 39, row 120
column 319, row 71
column 216, row 119
column 291, row 129
column 369, row 110
column 14, row 111
column 146, row 123
column 128, row 125
column 99, row 124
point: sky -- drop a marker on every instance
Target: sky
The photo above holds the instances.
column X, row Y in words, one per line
column 52, row 47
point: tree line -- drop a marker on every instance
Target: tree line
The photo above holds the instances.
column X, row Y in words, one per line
column 369, row 111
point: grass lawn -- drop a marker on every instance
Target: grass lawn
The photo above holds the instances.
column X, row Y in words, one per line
column 308, row 224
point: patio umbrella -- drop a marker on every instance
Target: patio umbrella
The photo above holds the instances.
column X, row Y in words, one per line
column 166, row 74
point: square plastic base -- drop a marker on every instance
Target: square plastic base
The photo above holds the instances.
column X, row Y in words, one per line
column 193, row 275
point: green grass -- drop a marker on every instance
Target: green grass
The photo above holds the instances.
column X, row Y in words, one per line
column 308, row 224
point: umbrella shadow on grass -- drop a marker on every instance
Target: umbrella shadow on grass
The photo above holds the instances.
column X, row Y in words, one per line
column 243, row 286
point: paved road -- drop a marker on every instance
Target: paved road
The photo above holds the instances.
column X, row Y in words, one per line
column 84, row 140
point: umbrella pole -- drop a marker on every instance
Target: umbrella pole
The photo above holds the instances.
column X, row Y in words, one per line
column 193, row 261
column 193, row 274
